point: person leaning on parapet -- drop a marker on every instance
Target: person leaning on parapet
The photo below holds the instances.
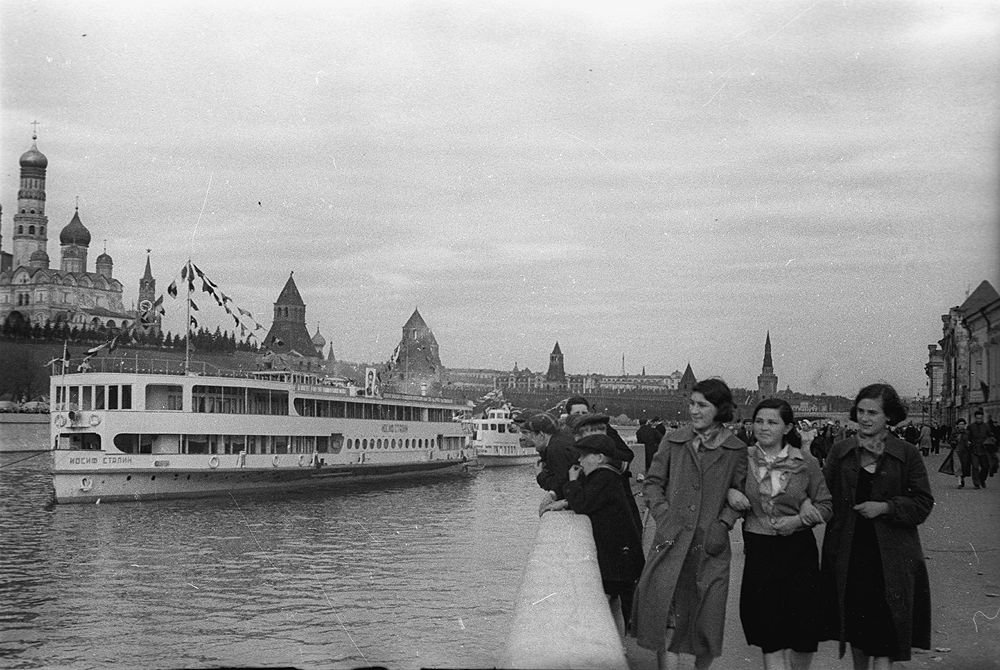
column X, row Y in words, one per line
column 578, row 406
column 650, row 438
column 979, row 432
column 556, row 456
column 680, row 600
column 593, row 489
column 519, row 418
column 584, row 425
column 876, row 589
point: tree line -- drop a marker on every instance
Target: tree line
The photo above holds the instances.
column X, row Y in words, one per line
column 218, row 341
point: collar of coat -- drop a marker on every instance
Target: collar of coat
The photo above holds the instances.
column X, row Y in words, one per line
column 894, row 447
column 728, row 440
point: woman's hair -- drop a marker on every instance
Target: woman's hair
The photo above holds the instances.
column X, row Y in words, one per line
column 542, row 423
column 892, row 406
column 717, row 393
column 792, row 437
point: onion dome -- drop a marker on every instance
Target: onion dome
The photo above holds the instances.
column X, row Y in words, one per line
column 104, row 259
column 34, row 158
column 75, row 232
column 318, row 340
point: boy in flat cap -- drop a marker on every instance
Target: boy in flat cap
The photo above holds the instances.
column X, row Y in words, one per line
column 594, row 488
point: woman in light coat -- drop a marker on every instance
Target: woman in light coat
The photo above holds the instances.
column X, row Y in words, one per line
column 680, row 601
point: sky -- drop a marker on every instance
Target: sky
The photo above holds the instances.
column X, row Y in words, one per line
column 659, row 182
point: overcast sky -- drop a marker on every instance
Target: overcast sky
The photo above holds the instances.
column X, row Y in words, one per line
column 665, row 181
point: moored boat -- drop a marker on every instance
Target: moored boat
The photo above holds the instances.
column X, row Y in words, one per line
column 497, row 439
column 153, row 432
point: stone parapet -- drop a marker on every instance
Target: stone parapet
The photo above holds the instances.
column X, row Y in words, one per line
column 561, row 615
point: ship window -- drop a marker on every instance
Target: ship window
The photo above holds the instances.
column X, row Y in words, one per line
column 336, row 442
column 86, row 401
column 195, row 444
column 163, row 397
column 112, row 397
column 364, row 444
column 234, row 444
column 501, row 428
column 280, row 444
column 393, row 443
column 74, row 397
column 89, row 441
column 98, row 397
column 126, row 396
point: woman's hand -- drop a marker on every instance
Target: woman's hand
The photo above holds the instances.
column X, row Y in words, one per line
column 737, row 500
column 871, row 509
column 786, row 525
column 809, row 515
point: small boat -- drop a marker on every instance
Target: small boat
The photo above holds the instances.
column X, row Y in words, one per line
column 152, row 432
column 497, row 440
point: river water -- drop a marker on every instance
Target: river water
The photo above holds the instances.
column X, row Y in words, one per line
column 403, row 575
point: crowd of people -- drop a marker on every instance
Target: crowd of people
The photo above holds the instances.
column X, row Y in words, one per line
column 867, row 587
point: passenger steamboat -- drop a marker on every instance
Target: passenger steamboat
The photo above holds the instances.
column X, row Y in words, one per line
column 149, row 432
column 497, row 440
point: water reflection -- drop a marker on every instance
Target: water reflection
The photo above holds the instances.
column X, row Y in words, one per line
column 405, row 575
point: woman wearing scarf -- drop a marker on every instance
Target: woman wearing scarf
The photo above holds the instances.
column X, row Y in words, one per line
column 786, row 496
column 680, row 601
column 873, row 571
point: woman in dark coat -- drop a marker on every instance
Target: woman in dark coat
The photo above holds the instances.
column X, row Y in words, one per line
column 873, row 570
column 680, row 601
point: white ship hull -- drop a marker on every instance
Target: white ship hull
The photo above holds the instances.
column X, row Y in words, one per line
column 501, row 460
column 135, row 436
column 497, row 440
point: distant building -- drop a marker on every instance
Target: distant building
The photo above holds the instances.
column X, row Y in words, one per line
column 287, row 343
column 416, row 364
column 556, row 375
column 767, row 381
column 32, row 293
column 970, row 353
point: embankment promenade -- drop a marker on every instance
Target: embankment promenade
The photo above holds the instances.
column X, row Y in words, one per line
column 559, row 622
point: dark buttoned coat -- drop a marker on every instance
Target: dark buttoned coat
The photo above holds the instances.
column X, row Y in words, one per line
column 900, row 480
column 686, row 496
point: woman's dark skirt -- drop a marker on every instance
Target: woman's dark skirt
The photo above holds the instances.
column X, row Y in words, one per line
column 780, row 597
column 866, row 612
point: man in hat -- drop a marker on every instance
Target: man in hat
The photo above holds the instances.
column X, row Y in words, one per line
column 593, row 489
column 585, row 425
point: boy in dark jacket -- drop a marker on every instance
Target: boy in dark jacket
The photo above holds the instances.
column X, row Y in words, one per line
column 594, row 488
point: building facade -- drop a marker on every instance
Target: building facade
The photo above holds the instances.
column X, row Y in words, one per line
column 34, row 294
column 969, row 357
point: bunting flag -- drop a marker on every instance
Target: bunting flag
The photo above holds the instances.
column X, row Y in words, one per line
column 189, row 273
column 65, row 356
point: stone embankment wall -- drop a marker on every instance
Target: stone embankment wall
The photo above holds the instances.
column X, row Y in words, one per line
column 561, row 616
